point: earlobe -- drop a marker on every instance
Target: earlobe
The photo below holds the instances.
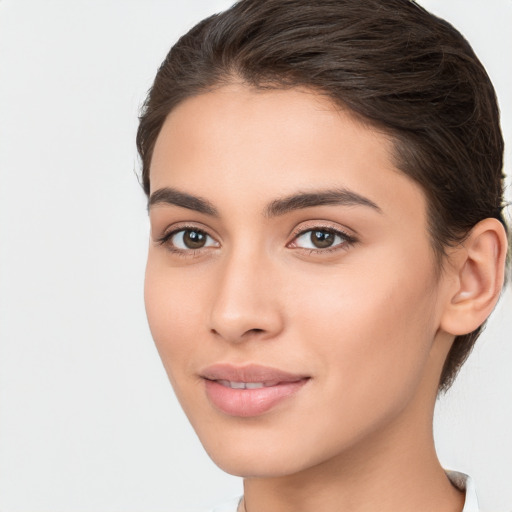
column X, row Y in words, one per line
column 478, row 266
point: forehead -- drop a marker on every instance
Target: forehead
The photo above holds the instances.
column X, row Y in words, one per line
column 245, row 146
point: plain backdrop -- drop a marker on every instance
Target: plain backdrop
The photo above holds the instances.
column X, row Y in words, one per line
column 88, row 421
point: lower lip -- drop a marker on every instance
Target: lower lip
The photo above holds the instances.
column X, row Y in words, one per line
column 250, row 402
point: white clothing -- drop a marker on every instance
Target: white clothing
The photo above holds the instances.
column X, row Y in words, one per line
column 465, row 483
column 460, row 480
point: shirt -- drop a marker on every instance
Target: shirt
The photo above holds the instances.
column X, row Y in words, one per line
column 459, row 480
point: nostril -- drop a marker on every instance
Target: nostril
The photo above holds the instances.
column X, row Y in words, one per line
column 254, row 331
column 248, row 332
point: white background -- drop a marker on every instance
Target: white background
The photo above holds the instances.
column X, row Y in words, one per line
column 88, row 421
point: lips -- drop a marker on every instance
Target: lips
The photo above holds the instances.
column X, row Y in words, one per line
column 249, row 390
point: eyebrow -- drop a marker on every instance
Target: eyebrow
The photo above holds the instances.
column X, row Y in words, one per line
column 281, row 206
column 172, row 196
column 340, row 196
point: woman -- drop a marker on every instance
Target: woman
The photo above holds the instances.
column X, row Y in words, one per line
column 325, row 192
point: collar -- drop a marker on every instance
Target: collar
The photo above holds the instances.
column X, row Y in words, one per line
column 465, row 483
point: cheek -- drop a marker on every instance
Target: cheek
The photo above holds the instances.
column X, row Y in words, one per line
column 173, row 309
column 373, row 336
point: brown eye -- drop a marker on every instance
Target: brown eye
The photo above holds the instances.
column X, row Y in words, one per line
column 194, row 239
column 190, row 239
column 322, row 239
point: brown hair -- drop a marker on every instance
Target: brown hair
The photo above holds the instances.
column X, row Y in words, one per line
column 392, row 63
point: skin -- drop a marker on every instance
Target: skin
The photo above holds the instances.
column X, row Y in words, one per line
column 363, row 318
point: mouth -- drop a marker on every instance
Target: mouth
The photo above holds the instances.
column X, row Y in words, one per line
column 246, row 385
column 249, row 374
column 250, row 390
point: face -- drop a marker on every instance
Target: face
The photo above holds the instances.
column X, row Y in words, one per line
column 290, row 286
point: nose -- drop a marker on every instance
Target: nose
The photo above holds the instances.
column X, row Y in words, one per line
column 246, row 303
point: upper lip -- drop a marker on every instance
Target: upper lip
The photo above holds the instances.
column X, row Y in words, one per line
column 249, row 373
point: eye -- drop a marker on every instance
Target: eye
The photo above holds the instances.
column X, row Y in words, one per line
column 187, row 239
column 318, row 239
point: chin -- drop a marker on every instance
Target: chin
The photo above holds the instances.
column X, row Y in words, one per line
column 247, row 453
column 253, row 465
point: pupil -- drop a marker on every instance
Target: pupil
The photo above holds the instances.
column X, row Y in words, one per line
column 194, row 239
column 322, row 239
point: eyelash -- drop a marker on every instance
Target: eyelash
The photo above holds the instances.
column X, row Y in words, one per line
column 348, row 240
column 185, row 253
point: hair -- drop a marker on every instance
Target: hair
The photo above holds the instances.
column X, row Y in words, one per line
column 393, row 64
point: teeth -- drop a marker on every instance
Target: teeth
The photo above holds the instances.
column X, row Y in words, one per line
column 237, row 385
column 253, row 385
column 245, row 385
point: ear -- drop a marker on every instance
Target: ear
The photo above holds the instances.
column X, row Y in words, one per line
column 478, row 268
